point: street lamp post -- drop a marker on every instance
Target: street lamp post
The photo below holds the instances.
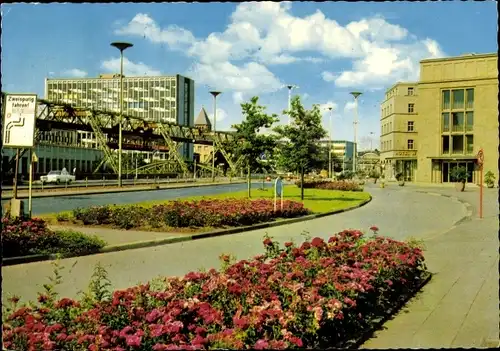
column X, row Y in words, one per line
column 122, row 47
column 330, row 170
column 356, row 94
column 214, row 94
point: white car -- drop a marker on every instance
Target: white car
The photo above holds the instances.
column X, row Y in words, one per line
column 57, row 177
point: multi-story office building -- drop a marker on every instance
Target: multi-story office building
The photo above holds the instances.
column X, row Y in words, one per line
column 457, row 104
column 168, row 99
column 342, row 150
column 398, row 131
column 458, row 99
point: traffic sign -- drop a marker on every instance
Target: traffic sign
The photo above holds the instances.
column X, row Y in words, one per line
column 480, row 157
column 19, row 120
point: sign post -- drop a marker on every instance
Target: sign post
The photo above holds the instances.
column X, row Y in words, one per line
column 19, row 133
column 34, row 159
column 480, row 162
column 278, row 192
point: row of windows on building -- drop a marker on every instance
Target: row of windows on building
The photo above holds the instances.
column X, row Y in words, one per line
column 394, row 92
column 457, row 144
column 387, row 127
column 388, row 110
column 387, row 145
column 457, row 99
column 46, row 164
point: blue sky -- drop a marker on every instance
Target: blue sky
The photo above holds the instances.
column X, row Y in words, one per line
column 248, row 49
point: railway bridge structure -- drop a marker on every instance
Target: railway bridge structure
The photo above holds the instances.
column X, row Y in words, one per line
column 137, row 134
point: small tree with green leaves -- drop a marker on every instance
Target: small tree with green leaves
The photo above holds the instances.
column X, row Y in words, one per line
column 249, row 144
column 300, row 147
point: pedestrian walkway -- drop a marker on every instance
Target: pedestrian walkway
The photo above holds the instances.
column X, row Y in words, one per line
column 459, row 306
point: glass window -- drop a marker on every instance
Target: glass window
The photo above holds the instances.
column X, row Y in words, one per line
column 457, row 144
column 410, row 126
column 445, row 118
column 470, row 120
column 410, row 144
column 410, row 91
column 446, row 100
column 457, row 121
column 445, row 144
column 411, row 108
column 470, row 144
column 458, row 99
column 470, row 98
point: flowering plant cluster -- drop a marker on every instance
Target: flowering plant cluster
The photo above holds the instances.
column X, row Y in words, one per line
column 319, row 294
column 23, row 236
column 202, row 213
column 340, row 185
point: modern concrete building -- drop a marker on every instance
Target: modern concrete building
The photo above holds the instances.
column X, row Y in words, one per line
column 454, row 114
column 343, row 151
column 398, row 131
column 159, row 99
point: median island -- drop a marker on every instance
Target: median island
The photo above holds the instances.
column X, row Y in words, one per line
column 221, row 211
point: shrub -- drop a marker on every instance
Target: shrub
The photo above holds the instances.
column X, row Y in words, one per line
column 319, row 294
column 331, row 185
column 21, row 237
column 202, row 213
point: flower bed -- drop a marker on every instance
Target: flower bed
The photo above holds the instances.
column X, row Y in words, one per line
column 23, row 237
column 320, row 294
column 181, row 214
column 331, row 185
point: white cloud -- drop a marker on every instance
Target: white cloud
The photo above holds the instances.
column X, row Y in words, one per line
column 221, row 115
column 143, row 25
column 74, row 72
column 305, row 96
column 267, row 33
column 129, row 68
column 349, row 106
column 328, row 76
column 238, row 97
column 251, row 78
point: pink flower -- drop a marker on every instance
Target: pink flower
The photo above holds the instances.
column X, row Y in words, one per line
column 267, row 242
column 374, row 228
column 133, row 340
column 261, row 344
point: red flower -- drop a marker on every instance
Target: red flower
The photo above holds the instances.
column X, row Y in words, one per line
column 133, row 340
column 267, row 242
column 317, row 242
column 374, row 228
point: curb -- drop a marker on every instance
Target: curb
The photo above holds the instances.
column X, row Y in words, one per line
column 150, row 243
column 378, row 323
column 123, row 190
column 467, row 206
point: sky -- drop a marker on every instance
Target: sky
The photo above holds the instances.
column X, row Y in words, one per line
column 326, row 49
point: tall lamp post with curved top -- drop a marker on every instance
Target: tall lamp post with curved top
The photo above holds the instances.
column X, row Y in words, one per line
column 356, row 94
column 122, row 46
column 214, row 94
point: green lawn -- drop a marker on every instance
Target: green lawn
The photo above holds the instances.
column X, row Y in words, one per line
column 316, row 200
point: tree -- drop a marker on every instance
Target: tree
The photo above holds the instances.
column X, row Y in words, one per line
column 250, row 145
column 301, row 139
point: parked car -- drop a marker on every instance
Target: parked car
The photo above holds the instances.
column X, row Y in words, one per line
column 57, row 177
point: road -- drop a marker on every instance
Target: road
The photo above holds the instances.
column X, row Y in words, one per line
column 399, row 213
column 70, row 202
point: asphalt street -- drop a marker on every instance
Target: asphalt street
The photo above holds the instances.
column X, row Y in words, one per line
column 68, row 203
column 399, row 213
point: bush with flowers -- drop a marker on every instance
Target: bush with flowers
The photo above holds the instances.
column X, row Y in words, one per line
column 23, row 236
column 316, row 295
column 341, row 185
column 202, row 213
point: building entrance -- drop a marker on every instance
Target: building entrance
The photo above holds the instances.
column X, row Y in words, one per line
column 448, row 166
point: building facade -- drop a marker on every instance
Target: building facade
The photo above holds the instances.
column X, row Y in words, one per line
column 458, row 109
column 368, row 161
column 343, row 152
column 398, row 131
column 430, row 127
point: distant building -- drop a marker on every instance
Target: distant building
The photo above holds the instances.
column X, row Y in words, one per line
column 202, row 152
column 343, row 151
column 368, row 160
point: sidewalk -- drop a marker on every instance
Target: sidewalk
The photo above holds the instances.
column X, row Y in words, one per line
column 459, row 306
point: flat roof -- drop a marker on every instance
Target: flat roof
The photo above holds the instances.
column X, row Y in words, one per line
column 400, row 83
column 461, row 57
column 124, row 77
